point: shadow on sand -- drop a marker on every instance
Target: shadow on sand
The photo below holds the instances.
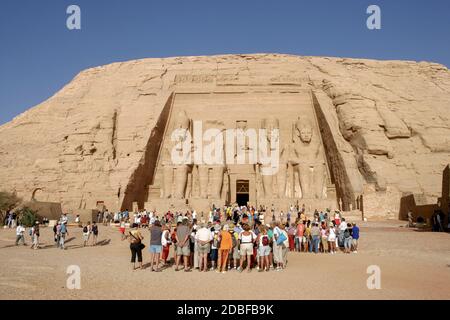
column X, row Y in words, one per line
column 44, row 246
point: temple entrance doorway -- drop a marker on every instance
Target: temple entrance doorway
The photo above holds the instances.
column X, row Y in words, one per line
column 242, row 192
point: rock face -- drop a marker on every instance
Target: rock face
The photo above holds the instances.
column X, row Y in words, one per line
column 384, row 126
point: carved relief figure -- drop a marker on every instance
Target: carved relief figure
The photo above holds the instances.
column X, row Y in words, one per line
column 272, row 146
column 211, row 174
column 307, row 159
column 175, row 173
column 282, row 171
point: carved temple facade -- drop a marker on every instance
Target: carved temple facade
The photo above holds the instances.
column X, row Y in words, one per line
column 308, row 169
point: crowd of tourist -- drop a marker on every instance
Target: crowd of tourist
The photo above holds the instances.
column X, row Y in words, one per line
column 237, row 238
column 60, row 232
column 10, row 219
column 229, row 238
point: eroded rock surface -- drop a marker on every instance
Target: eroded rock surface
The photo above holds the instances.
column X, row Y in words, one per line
column 389, row 120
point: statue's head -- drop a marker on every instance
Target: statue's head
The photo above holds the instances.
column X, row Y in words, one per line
column 270, row 125
column 181, row 120
column 304, row 130
column 242, row 125
column 306, row 134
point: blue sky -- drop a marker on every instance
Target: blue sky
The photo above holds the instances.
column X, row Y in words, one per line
column 39, row 55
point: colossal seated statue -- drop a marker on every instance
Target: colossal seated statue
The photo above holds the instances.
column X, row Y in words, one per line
column 212, row 167
column 177, row 158
column 307, row 159
column 268, row 169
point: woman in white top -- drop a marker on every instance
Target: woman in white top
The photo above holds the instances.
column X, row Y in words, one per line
column 246, row 239
column 332, row 239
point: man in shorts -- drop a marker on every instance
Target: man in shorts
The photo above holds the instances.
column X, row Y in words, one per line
column 183, row 245
column 203, row 237
column 355, row 238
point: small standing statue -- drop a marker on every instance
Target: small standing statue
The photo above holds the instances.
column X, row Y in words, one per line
column 175, row 171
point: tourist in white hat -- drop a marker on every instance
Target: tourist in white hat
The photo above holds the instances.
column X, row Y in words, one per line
column 332, row 239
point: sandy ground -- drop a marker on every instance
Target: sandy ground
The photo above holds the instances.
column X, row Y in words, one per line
column 414, row 265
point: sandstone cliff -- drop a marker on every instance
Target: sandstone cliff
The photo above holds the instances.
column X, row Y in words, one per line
column 84, row 144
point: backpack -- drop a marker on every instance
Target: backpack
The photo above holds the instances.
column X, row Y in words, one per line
column 30, row 232
column 265, row 240
column 281, row 238
column 85, row 229
column 347, row 233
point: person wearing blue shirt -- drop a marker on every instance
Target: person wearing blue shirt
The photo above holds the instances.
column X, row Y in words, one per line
column 355, row 236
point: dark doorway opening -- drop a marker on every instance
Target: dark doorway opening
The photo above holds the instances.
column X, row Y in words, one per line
column 242, row 192
column 242, row 199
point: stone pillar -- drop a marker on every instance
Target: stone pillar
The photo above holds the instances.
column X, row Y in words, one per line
column 181, row 175
column 268, row 186
column 252, row 190
column 217, row 182
column 306, row 179
column 233, row 188
column 195, row 193
column 167, row 181
column 319, row 180
column 203, row 181
column 445, row 200
column 281, row 180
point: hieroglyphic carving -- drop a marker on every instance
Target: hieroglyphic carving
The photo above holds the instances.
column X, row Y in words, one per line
column 287, row 80
column 175, row 176
column 194, row 78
